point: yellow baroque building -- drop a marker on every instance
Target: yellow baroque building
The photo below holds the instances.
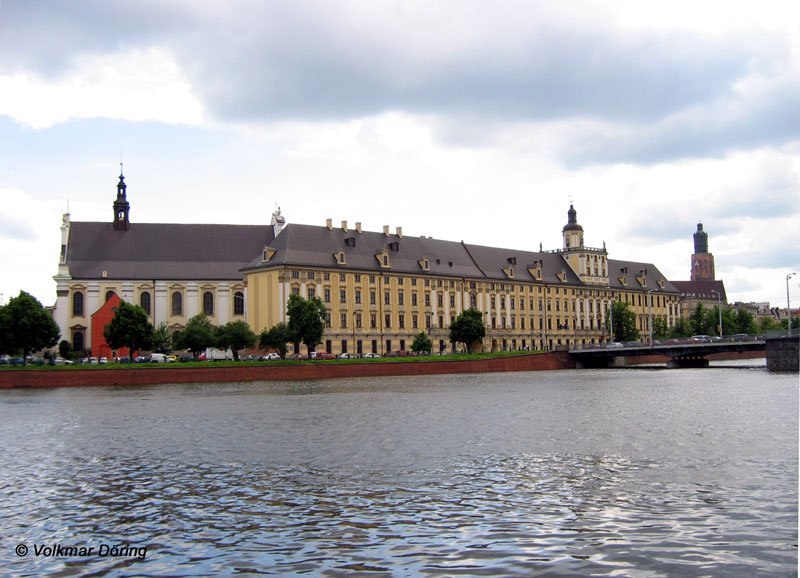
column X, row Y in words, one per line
column 382, row 288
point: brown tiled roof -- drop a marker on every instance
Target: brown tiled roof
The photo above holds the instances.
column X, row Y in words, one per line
column 701, row 289
column 163, row 251
column 314, row 246
column 634, row 268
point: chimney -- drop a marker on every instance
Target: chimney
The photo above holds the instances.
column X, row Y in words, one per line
column 400, row 232
column 386, row 230
column 329, row 224
column 344, row 226
column 358, row 228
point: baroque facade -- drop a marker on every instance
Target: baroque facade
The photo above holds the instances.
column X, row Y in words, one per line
column 379, row 288
column 382, row 288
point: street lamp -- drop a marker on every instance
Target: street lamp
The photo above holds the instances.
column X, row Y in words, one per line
column 788, row 304
column 719, row 307
column 650, row 314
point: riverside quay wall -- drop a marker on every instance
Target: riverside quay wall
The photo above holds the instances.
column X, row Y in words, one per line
column 301, row 370
column 783, row 353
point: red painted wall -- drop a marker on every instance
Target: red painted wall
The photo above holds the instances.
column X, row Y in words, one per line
column 100, row 319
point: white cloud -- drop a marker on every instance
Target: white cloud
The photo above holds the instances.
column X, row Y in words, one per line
column 135, row 85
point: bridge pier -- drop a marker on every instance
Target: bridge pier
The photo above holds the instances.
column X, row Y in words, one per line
column 677, row 362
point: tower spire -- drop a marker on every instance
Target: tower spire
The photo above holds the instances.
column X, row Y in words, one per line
column 121, row 206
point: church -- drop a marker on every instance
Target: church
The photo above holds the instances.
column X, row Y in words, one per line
column 380, row 288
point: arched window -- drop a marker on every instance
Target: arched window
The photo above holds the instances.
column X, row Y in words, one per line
column 144, row 301
column 77, row 341
column 77, row 304
column 208, row 303
column 177, row 303
column 238, row 303
column 109, row 293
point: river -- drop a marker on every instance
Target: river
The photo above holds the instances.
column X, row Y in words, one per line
column 622, row 472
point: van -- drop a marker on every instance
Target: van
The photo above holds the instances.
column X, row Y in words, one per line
column 158, row 358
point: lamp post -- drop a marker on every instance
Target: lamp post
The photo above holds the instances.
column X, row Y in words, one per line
column 719, row 308
column 611, row 321
column 650, row 314
column 788, row 304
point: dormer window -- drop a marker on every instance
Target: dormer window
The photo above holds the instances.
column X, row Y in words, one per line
column 339, row 256
column 383, row 259
column 425, row 263
column 509, row 271
column 267, row 254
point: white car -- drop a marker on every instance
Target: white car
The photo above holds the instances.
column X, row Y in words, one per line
column 371, row 355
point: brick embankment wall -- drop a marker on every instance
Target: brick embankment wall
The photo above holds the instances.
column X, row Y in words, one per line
column 304, row 370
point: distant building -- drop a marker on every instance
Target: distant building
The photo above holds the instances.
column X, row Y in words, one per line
column 703, row 289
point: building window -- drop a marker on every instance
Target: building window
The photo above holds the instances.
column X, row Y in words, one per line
column 77, row 305
column 400, row 298
column 343, row 319
column 386, row 298
column 387, row 320
column 452, row 299
column 208, row 303
column 341, row 277
column 295, row 290
column 326, row 276
column 328, row 320
column 358, row 320
column 295, row 274
column 311, row 275
column 440, row 300
column 473, row 301
column 144, row 301
column 372, row 297
column 110, row 294
column 327, row 295
column 373, row 320
column 77, row 341
column 414, row 321
column 414, row 299
column 358, row 278
column 311, row 292
column 372, row 278
column 401, row 321
column 427, row 299
column 358, row 296
column 427, row 322
column 238, row 303
column 342, row 296
column 177, row 303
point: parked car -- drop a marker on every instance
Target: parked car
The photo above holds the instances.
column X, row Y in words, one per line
column 614, row 345
column 346, row 356
column 371, row 355
column 14, row 361
column 700, row 339
column 172, row 358
column 186, row 358
column 269, row 357
column 103, row 360
column 296, row 357
column 324, row 355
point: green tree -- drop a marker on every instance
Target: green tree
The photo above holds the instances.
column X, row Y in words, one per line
column 161, row 341
column 26, row 326
column 468, row 328
column 682, row 328
column 744, row 322
column 704, row 321
column 197, row 335
column 64, row 348
column 624, row 322
column 129, row 328
column 421, row 343
column 275, row 338
column 767, row 324
column 660, row 328
column 306, row 321
column 236, row 335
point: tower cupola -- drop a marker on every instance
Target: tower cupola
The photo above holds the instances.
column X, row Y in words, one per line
column 121, row 206
column 572, row 231
column 700, row 240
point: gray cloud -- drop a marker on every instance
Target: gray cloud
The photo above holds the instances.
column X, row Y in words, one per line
column 14, row 229
column 662, row 95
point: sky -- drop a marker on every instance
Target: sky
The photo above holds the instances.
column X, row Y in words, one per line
column 464, row 120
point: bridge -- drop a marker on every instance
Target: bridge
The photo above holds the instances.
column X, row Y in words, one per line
column 681, row 353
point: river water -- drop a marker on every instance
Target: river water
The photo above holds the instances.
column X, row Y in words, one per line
column 628, row 472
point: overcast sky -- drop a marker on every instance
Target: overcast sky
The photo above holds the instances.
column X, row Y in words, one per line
column 462, row 120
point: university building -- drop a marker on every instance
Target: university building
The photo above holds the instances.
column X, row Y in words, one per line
column 379, row 288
